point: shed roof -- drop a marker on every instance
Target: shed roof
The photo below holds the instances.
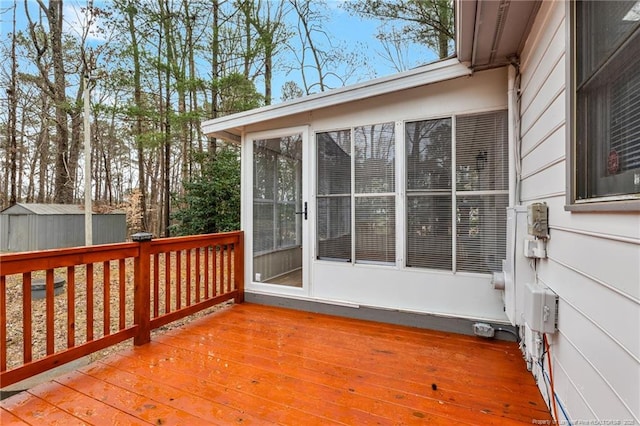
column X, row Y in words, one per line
column 47, row 209
column 230, row 127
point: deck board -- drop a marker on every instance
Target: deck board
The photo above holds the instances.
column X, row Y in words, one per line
column 253, row 364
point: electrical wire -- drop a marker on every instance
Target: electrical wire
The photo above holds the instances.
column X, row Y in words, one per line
column 506, row 330
column 553, row 391
column 547, row 381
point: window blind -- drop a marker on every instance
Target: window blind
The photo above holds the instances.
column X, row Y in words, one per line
column 428, row 154
column 429, row 231
column 334, row 195
column 481, row 223
column 375, row 216
column 481, row 152
column 481, row 191
column 374, row 152
column 375, row 229
column 428, row 147
column 607, row 154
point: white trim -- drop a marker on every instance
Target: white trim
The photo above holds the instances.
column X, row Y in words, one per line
column 247, row 207
column 401, row 183
column 454, row 199
column 421, row 76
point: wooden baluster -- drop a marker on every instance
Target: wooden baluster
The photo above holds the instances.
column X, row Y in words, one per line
column 188, row 280
column 3, row 323
column 71, row 306
column 89, row 302
column 122, row 294
column 49, row 299
column 167, row 282
column 221, row 268
column 228, row 249
column 206, row 272
column 156, row 285
column 178, row 279
column 214, row 263
column 106, row 311
column 27, row 332
column 197, row 274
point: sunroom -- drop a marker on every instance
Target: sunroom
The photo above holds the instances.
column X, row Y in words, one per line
column 390, row 194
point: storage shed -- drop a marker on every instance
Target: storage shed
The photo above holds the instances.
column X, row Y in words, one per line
column 28, row 227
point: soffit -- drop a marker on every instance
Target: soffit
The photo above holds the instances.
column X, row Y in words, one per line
column 491, row 33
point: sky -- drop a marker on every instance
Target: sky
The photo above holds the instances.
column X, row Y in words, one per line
column 343, row 29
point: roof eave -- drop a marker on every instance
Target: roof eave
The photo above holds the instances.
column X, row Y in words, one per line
column 230, row 127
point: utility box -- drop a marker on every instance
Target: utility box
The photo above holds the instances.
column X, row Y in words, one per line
column 537, row 220
column 541, row 308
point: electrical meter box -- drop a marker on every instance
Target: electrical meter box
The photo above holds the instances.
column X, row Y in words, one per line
column 537, row 220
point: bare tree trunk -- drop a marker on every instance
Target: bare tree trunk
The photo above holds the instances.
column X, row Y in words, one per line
column 64, row 185
column 165, row 22
column 13, row 107
column 137, row 96
column 215, row 72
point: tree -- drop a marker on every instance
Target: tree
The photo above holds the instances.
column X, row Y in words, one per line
column 291, row 90
column 269, row 25
column 211, row 201
column 429, row 22
column 52, row 45
column 322, row 65
column 13, row 107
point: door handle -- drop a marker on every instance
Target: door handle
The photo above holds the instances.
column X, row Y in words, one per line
column 304, row 212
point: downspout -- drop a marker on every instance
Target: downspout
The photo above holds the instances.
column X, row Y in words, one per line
column 513, row 105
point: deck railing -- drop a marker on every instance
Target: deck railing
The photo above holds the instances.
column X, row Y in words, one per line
column 113, row 292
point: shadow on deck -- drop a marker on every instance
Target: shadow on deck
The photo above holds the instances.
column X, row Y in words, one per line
column 254, row 364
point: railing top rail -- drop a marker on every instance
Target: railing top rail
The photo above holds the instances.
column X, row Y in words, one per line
column 193, row 241
column 16, row 263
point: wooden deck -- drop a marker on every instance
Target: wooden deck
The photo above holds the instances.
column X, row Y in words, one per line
column 253, row 364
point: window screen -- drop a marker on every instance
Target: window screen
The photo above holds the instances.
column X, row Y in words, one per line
column 277, row 190
column 375, row 216
column 607, row 59
column 334, row 195
column 365, row 210
column 481, row 191
column 481, row 148
column 429, row 230
column 481, row 232
column 375, row 158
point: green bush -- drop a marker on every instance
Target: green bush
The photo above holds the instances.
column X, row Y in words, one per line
column 211, row 202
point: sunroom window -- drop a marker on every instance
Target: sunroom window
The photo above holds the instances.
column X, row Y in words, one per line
column 356, row 179
column 461, row 228
column 607, row 89
column 481, row 191
column 429, row 230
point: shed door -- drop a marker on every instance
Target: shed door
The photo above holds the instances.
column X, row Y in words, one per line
column 280, row 211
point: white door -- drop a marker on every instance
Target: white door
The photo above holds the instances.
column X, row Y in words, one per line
column 278, row 211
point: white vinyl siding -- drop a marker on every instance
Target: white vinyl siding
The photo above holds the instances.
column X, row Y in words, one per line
column 593, row 258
